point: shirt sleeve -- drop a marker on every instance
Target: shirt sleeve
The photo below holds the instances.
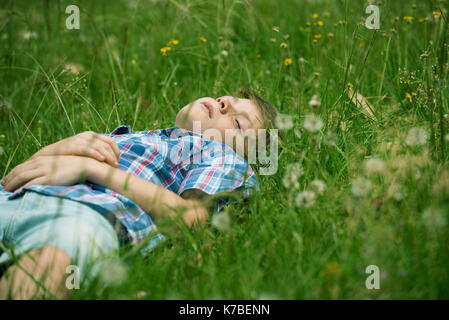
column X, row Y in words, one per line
column 220, row 170
column 121, row 130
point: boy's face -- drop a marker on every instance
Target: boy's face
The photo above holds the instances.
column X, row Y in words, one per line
column 223, row 114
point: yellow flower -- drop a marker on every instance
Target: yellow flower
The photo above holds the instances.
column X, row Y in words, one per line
column 413, row 6
column 275, row 29
column 436, row 14
column 408, row 96
column 319, row 23
column 318, row 36
column 287, row 61
column 283, row 45
column 330, row 35
column 315, row 15
column 308, row 23
column 174, row 42
column 326, row 14
column 203, row 39
column 164, row 50
column 408, row 18
column 342, row 22
column 332, row 268
column 421, row 20
column 350, row 86
column 314, row 41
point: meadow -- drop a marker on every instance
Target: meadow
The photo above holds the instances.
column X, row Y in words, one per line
column 362, row 175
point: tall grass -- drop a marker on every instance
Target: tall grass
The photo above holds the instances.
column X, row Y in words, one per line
column 58, row 82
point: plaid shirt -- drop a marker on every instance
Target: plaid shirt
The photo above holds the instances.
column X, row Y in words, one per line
column 174, row 158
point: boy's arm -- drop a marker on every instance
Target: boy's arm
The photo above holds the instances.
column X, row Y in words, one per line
column 89, row 144
column 150, row 197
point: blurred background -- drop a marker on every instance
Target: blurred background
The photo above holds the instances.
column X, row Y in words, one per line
column 365, row 119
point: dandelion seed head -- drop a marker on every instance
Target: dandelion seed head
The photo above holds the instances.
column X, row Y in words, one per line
column 298, row 133
column 315, row 102
column 74, row 68
column 305, row 199
column 434, row 217
column 374, row 165
column 319, row 186
column 446, row 137
column 283, row 122
column 27, row 35
column 221, row 221
column 331, row 139
column 141, row 294
column 114, row 273
column 361, row 187
column 269, row 296
column 313, row 123
column 416, row 137
column 397, row 191
column 293, row 172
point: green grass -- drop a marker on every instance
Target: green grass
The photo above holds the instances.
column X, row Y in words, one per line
column 274, row 249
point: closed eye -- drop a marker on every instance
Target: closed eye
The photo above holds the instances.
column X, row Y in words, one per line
column 238, row 124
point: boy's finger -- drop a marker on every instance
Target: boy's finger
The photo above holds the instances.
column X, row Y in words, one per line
column 83, row 150
column 112, row 143
column 110, row 156
column 107, row 146
column 96, row 155
column 40, row 180
column 24, row 166
column 100, row 146
column 24, row 177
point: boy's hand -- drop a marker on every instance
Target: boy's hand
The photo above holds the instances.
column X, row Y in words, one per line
column 88, row 144
column 49, row 170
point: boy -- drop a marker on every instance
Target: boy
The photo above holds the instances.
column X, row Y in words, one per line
column 137, row 176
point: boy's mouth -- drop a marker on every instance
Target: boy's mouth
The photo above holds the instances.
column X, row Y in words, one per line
column 208, row 108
